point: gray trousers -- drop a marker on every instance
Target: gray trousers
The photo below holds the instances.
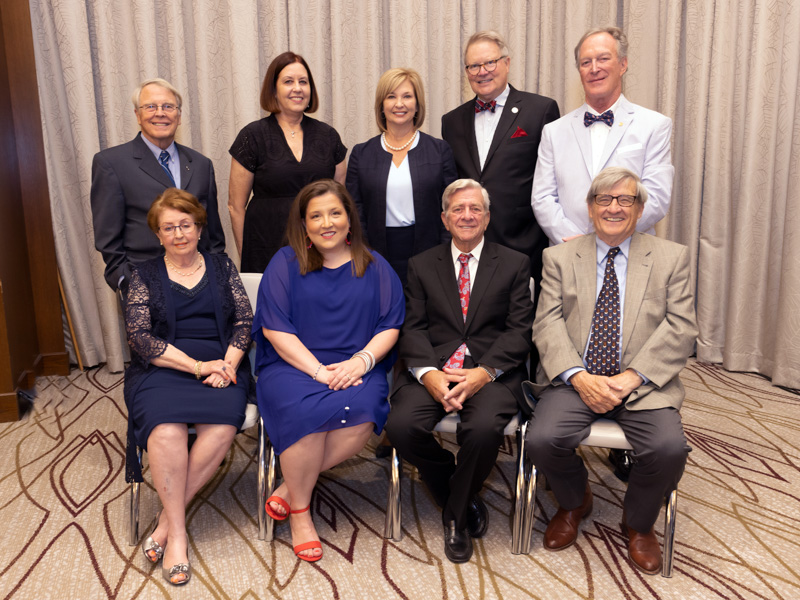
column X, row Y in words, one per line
column 562, row 421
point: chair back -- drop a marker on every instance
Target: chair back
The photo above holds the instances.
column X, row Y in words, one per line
column 251, row 282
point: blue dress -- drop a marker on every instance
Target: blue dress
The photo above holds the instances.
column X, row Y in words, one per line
column 334, row 314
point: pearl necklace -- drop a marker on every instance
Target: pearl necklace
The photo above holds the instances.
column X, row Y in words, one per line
column 403, row 147
column 181, row 273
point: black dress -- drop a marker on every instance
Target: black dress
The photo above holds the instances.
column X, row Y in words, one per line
column 203, row 322
column 261, row 148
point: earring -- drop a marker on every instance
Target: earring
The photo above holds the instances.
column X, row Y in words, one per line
column 348, row 238
column 309, row 242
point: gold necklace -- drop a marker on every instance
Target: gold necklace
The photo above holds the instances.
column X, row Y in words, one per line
column 404, row 146
column 181, row 273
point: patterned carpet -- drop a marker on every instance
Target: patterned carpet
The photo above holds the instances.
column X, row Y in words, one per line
column 63, row 509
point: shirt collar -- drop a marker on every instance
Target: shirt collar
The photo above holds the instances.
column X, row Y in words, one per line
column 476, row 251
column 172, row 150
column 603, row 248
column 503, row 98
column 613, row 107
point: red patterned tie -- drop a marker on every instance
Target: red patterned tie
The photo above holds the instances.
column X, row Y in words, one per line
column 602, row 356
column 457, row 360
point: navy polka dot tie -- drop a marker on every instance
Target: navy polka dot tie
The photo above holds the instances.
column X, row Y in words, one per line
column 602, row 356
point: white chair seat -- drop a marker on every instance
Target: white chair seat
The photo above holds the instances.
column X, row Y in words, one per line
column 250, row 416
column 607, row 434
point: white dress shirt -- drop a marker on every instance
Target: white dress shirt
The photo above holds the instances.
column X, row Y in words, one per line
column 400, row 192
column 472, row 265
column 486, row 124
column 599, row 132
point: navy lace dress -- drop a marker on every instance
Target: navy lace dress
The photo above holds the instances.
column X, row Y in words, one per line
column 278, row 176
column 335, row 314
column 202, row 322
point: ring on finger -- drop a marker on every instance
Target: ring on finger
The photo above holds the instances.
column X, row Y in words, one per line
column 221, row 384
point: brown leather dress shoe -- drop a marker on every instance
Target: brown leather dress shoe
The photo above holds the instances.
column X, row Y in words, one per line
column 644, row 551
column 563, row 528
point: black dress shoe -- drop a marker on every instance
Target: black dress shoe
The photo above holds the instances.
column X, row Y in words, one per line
column 457, row 543
column 622, row 462
column 477, row 518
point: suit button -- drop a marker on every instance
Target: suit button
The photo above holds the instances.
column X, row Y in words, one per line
column 442, row 358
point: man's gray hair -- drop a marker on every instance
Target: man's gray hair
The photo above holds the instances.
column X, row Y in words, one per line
column 615, row 32
column 137, row 93
column 609, row 177
column 464, row 184
column 488, row 35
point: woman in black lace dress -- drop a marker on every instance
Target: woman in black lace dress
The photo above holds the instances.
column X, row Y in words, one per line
column 275, row 157
column 188, row 321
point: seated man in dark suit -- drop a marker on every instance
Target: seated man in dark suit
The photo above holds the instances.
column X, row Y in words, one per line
column 127, row 178
column 465, row 340
column 614, row 327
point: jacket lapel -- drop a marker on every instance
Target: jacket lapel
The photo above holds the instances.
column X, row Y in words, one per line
column 186, row 166
column 622, row 120
column 148, row 163
column 585, row 273
column 583, row 138
column 447, row 278
column 468, row 127
column 640, row 263
column 483, row 277
column 507, row 120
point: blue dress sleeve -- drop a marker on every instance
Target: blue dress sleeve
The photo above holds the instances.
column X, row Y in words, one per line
column 393, row 306
column 273, row 309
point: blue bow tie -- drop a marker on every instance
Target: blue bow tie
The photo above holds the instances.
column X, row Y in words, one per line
column 607, row 118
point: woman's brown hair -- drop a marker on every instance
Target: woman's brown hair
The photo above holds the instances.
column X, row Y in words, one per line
column 310, row 259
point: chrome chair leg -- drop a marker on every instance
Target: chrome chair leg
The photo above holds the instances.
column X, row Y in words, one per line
column 530, row 509
column 393, row 527
column 271, row 469
column 669, row 533
column 262, row 481
column 133, row 509
column 520, row 495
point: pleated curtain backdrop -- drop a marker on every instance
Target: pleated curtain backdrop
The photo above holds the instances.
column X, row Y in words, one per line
column 725, row 71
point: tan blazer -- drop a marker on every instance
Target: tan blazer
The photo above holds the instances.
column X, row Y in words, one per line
column 658, row 329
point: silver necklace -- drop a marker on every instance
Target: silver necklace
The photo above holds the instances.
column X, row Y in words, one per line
column 403, row 147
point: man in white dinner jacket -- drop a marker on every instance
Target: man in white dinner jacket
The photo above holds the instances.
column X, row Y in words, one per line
column 607, row 130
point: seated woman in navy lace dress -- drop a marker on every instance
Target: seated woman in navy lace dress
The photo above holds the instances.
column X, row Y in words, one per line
column 328, row 313
column 188, row 321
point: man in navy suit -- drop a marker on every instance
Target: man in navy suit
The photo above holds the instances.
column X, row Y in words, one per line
column 127, row 178
column 605, row 131
column 495, row 138
column 465, row 340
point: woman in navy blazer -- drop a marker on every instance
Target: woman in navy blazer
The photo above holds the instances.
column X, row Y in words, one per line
column 397, row 178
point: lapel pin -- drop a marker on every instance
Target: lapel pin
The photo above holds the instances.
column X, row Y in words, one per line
column 515, row 110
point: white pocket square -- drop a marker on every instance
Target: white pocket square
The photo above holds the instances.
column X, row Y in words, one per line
column 629, row 148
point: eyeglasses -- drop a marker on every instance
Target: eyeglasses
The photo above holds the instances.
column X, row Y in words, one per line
column 606, row 199
column 489, row 65
column 166, row 108
column 184, row 227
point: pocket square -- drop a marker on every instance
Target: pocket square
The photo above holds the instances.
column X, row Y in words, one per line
column 520, row 132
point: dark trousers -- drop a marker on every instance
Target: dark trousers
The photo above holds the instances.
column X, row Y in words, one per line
column 562, row 420
column 452, row 480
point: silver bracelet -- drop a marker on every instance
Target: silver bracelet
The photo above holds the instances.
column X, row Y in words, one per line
column 488, row 372
column 319, row 366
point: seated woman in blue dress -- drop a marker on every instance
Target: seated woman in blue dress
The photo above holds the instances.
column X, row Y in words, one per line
column 328, row 313
column 188, row 321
